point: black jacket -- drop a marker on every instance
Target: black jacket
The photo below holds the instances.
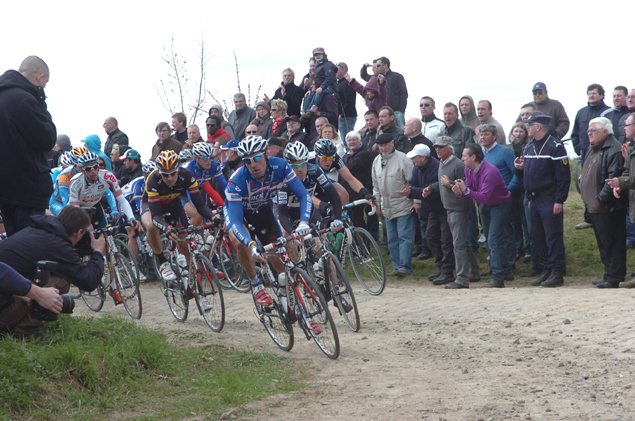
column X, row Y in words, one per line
column 421, row 178
column 299, row 136
column 346, row 97
column 402, row 142
column 293, row 96
column 27, row 135
column 117, row 137
column 46, row 239
column 128, row 176
column 395, row 89
column 462, row 135
column 360, row 164
column 579, row 136
column 610, row 164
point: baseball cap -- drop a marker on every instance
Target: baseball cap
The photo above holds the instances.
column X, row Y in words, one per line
column 130, row 154
column 419, row 150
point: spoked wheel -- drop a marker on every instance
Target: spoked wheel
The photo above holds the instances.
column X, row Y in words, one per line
column 209, row 296
column 122, row 247
column 313, row 308
column 95, row 299
column 128, row 285
column 175, row 291
column 228, row 258
column 367, row 261
column 341, row 292
column 276, row 321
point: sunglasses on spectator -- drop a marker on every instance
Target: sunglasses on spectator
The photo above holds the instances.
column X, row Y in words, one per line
column 539, row 92
column 326, row 158
column 296, row 166
column 90, row 169
column 273, row 110
column 212, row 125
column 255, row 158
column 252, row 132
column 425, row 105
column 169, row 174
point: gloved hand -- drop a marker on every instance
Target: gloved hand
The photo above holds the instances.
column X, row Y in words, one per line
column 254, row 253
column 114, row 214
column 302, row 229
column 336, row 225
column 365, row 193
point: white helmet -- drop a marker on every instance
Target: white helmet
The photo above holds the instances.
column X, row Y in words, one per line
column 202, row 150
column 251, row 144
column 296, row 151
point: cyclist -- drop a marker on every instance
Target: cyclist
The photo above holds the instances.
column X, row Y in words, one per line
column 327, row 159
column 164, row 187
column 250, row 194
column 185, row 156
column 313, row 178
column 88, row 187
column 204, row 169
column 66, row 161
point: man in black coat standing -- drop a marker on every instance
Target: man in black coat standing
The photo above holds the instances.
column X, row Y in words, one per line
column 27, row 134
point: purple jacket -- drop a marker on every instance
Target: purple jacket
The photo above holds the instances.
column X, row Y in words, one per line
column 373, row 85
column 486, row 185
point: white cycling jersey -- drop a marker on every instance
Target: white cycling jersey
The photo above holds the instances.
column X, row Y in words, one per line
column 88, row 194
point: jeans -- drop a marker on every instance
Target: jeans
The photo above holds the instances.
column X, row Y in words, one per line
column 472, row 228
column 400, row 120
column 346, row 125
column 495, row 219
column 400, row 236
column 630, row 229
column 317, row 98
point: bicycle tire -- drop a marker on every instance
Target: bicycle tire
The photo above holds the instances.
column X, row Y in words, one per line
column 208, row 288
column 176, row 295
column 95, row 299
column 344, row 290
column 367, row 261
column 128, row 286
column 276, row 320
column 311, row 305
column 123, row 248
column 234, row 273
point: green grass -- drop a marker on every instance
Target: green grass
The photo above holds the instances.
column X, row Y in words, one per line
column 91, row 369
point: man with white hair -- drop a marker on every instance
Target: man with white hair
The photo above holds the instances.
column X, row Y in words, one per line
column 27, row 134
column 603, row 160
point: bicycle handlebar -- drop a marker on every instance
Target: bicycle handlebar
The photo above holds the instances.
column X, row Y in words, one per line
column 282, row 241
column 362, row 202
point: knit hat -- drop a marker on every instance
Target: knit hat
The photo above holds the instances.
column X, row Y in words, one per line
column 64, row 141
column 263, row 104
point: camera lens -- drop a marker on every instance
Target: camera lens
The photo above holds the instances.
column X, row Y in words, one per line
column 68, row 303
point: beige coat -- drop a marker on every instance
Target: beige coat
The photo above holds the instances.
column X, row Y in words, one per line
column 395, row 174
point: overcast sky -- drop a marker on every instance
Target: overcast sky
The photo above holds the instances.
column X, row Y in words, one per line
column 106, row 57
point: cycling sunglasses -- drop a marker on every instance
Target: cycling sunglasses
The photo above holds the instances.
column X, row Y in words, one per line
column 205, row 158
column 168, row 174
column 90, row 169
column 255, row 158
column 296, row 166
column 326, row 158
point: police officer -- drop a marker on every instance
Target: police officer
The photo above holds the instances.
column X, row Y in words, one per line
column 546, row 178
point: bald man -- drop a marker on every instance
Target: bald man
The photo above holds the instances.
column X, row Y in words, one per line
column 27, row 134
column 412, row 129
column 115, row 136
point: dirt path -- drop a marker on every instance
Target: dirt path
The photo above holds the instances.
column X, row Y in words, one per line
column 427, row 353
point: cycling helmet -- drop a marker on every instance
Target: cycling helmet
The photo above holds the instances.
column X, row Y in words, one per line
column 202, row 150
column 167, row 161
column 251, row 144
column 78, row 151
column 148, row 167
column 67, row 159
column 88, row 158
column 185, row 155
column 296, row 151
column 324, row 147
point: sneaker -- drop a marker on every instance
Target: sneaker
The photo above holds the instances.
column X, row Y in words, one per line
column 583, row 225
column 205, row 304
column 317, row 329
column 142, row 277
column 220, row 274
column 261, row 296
column 166, row 272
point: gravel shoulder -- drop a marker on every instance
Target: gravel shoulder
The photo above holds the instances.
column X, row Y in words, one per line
column 428, row 353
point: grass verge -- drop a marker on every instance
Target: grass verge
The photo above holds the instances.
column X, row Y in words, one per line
column 109, row 368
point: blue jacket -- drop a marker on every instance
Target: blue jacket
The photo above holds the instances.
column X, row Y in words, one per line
column 503, row 159
column 421, row 178
column 547, row 169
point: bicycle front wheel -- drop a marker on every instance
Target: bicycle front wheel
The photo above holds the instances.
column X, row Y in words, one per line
column 209, row 296
column 341, row 291
column 175, row 292
column 314, row 315
column 95, row 299
column 275, row 319
column 367, row 261
column 228, row 258
column 128, row 285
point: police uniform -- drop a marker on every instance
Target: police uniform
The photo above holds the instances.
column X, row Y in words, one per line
column 546, row 179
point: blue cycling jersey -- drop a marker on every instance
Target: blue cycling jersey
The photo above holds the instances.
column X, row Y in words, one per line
column 245, row 194
column 204, row 176
column 133, row 192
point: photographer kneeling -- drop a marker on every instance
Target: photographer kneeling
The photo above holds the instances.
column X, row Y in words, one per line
column 53, row 239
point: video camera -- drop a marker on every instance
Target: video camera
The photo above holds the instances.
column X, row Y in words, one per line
column 42, row 275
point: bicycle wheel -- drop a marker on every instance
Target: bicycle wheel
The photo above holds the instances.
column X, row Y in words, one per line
column 341, row 289
column 175, row 292
column 209, row 296
column 367, row 261
column 128, row 285
column 122, row 247
column 310, row 305
column 276, row 320
column 95, row 299
column 228, row 258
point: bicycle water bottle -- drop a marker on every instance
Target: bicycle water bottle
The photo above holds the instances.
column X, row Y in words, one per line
column 182, row 262
column 338, row 241
column 282, row 285
column 331, row 239
column 317, row 270
column 208, row 243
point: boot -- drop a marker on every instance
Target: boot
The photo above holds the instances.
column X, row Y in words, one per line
column 554, row 280
column 543, row 277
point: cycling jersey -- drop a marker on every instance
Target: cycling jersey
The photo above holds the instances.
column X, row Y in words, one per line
column 59, row 198
column 247, row 195
column 86, row 193
column 203, row 177
column 289, row 204
column 158, row 194
column 338, row 164
column 133, row 192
